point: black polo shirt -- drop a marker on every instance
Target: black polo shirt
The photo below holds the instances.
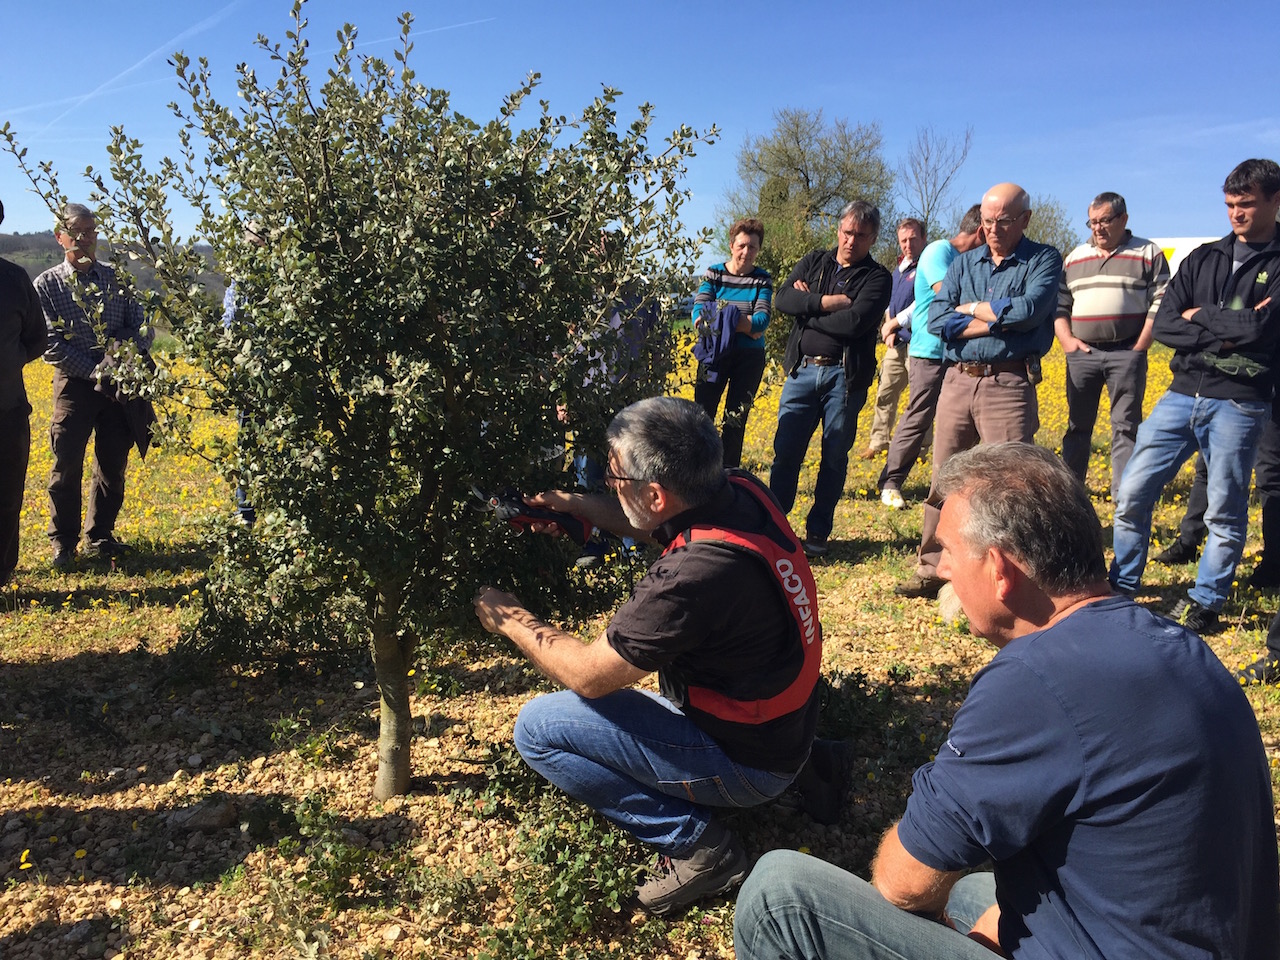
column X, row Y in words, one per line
column 714, row 616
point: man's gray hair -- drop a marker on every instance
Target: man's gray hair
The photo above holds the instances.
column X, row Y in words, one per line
column 1113, row 200
column 74, row 211
column 1025, row 502
column 669, row 441
column 866, row 214
column 971, row 220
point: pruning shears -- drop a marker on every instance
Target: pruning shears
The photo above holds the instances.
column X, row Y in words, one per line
column 509, row 505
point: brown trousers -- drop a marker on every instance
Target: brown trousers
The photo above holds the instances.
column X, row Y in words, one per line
column 78, row 411
column 973, row 410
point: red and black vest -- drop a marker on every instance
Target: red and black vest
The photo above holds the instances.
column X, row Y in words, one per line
column 778, row 549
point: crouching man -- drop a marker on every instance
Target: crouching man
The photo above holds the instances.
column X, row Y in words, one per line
column 728, row 618
column 1104, row 760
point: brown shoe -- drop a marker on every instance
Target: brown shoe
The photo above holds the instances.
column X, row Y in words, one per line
column 717, row 864
column 918, row 586
column 871, row 453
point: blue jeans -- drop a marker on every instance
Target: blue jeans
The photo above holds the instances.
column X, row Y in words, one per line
column 814, row 395
column 796, row 906
column 1226, row 432
column 640, row 762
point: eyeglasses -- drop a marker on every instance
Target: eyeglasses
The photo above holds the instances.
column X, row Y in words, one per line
column 611, row 477
column 1004, row 223
column 1101, row 221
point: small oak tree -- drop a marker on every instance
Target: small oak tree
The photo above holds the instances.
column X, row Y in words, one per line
column 429, row 292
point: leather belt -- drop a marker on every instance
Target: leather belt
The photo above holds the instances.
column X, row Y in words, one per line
column 820, row 361
column 991, row 369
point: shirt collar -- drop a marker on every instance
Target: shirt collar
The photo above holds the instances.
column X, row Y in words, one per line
column 721, row 501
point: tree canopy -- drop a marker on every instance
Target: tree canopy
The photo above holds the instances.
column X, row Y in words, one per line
column 429, row 290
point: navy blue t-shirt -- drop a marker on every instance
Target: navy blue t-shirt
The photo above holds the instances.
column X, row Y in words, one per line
column 1113, row 770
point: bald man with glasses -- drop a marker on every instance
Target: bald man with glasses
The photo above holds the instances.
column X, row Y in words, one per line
column 994, row 313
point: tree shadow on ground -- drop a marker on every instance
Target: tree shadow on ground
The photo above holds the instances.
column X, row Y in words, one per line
column 200, row 843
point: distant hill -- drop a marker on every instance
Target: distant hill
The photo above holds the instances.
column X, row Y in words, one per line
column 37, row 252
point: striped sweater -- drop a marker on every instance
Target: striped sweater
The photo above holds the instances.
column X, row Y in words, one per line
column 1110, row 296
column 752, row 295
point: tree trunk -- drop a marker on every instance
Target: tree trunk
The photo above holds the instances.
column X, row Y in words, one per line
column 392, row 658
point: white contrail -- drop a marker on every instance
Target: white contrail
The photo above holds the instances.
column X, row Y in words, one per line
column 164, row 50
column 419, row 33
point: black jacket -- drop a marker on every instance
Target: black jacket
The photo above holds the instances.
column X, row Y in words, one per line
column 856, row 326
column 1228, row 350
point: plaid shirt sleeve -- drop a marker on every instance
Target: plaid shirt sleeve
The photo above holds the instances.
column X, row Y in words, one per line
column 78, row 332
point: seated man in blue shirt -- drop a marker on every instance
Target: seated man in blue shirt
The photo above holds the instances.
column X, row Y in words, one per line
column 1104, row 761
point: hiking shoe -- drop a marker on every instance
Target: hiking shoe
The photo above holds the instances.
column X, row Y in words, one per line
column 918, row 586
column 106, row 548
column 1265, row 576
column 815, row 547
column 1196, row 618
column 717, row 864
column 63, row 558
column 1177, row 552
column 892, row 498
column 871, row 453
column 822, row 785
column 1266, row 669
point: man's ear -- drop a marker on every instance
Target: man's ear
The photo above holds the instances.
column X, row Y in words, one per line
column 1005, row 572
column 656, row 497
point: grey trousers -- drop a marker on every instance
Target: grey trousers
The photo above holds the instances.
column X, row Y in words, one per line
column 1124, row 373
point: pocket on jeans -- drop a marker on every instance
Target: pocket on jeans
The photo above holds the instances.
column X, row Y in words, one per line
column 1251, row 408
column 705, row 791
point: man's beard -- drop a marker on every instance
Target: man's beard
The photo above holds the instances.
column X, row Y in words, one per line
column 640, row 518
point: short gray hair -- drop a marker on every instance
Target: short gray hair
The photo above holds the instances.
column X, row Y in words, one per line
column 74, row 211
column 1113, row 200
column 670, row 441
column 1025, row 502
column 867, row 214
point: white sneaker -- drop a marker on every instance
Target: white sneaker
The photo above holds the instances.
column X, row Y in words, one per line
column 892, row 499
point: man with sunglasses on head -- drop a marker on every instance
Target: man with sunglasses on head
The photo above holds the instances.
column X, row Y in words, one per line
column 994, row 313
column 727, row 617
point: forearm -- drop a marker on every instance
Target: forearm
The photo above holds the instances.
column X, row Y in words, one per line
column 598, row 509
column 906, row 882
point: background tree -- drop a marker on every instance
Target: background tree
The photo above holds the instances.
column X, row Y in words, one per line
column 429, row 291
column 1051, row 224
column 796, row 178
column 926, row 177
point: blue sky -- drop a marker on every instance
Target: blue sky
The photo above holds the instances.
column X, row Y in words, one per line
column 1157, row 101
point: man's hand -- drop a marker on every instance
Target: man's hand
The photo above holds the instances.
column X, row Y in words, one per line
column 559, row 500
column 744, row 324
column 830, row 302
column 496, row 609
column 1072, row 344
column 986, row 929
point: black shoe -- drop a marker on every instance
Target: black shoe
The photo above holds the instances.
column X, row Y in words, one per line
column 918, row 586
column 1265, row 576
column 106, row 548
column 822, row 785
column 1177, row 552
column 1266, row 669
column 716, row 865
column 63, row 558
column 1196, row 618
column 815, row 547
